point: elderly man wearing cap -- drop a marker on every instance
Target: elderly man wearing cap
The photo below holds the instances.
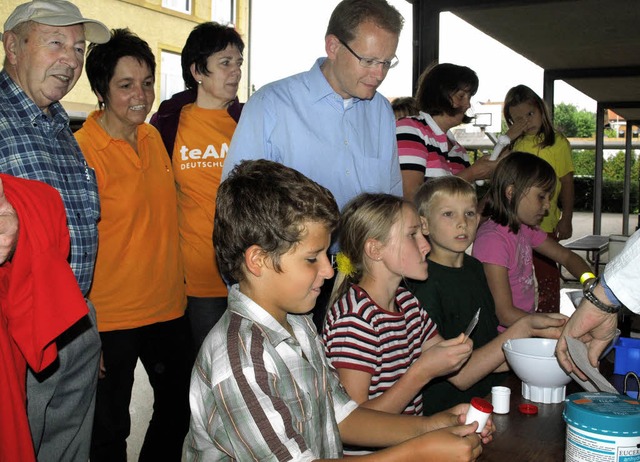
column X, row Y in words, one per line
column 44, row 43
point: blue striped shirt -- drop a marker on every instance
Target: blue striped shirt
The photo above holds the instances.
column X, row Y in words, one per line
column 41, row 147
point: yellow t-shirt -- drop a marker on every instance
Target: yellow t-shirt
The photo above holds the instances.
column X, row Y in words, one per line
column 139, row 276
column 201, row 146
column 559, row 156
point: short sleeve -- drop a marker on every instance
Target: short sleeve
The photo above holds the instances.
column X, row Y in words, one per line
column 491, row 247
column 352, row 343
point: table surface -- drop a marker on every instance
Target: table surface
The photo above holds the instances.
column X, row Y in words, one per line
column 591, row 242
column 594, row 243
column 522, row 438
column 541, row 437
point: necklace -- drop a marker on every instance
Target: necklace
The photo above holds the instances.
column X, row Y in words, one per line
column 132, row 142
column 103, row 124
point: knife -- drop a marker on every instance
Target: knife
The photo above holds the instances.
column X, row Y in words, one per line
column 472, row 324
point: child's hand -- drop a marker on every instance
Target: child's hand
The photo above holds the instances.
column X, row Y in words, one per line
column 547, row 325
column 487, row 432
column 517, row 128
column 457, row 443
column 444, row 357
column 457, row 415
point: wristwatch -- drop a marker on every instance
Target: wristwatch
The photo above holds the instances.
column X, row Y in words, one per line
column 595, row 301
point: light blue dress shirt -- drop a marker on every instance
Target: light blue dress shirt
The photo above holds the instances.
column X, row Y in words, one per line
column 303, row 123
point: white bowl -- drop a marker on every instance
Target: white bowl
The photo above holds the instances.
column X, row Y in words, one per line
column 534, row 362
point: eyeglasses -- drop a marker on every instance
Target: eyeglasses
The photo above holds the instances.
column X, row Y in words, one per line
column 370, row 62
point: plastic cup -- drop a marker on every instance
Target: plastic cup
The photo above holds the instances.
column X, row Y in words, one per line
column 479, row 411
column 500, row 397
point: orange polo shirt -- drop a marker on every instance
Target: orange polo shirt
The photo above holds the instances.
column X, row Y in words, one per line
column 201, row 146
column 139, row 276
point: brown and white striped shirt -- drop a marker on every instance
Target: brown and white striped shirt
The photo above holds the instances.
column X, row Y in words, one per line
column 257, row 393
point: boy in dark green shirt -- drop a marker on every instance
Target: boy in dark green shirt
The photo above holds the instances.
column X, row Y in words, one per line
column 457, row 287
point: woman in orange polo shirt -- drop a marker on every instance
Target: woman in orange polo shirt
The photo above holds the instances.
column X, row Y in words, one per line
column 138, row 286
column 196, row 126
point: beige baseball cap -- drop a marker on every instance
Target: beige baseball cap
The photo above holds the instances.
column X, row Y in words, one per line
column 57, row 13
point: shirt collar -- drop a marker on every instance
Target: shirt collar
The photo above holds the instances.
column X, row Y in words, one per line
column 243, row 306
column 435, row 127
column 26, row 105
column 100, row 136
column 431, row 123
column 319, row 86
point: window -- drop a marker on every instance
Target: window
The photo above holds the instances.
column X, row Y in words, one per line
column 171, row 81
column 183, row 6
column 223, row 11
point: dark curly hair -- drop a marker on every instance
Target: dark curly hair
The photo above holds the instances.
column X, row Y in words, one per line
column 267, row 204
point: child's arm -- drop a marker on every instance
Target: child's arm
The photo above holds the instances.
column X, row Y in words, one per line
column 440, row 437
column 490, row 357
column 564, row 229
column 443, row 357
column 560, row 254
column 498, row 280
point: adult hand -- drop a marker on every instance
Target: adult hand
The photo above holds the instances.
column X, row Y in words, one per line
column 564, row 229
column 8, row 227
column 592, row 326
column 481, row 169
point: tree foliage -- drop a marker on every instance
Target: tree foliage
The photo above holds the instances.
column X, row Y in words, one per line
column 613, row 168
column 584, row 162
column 573, row 122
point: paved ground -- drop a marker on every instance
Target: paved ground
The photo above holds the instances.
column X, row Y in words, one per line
column 142, row 398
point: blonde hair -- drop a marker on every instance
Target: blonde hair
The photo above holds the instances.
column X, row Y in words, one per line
column 443, row 186
column 367, row 216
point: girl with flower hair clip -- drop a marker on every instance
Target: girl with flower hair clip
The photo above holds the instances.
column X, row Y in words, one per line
column 375, row 331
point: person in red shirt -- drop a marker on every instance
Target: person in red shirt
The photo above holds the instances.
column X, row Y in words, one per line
column 39, row 299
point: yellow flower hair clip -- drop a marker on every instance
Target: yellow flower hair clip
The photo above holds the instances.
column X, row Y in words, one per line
column 344, row 265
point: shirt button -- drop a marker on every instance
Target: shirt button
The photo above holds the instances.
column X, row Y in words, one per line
column 77, row 215
column 348, row 172
column 346, row 142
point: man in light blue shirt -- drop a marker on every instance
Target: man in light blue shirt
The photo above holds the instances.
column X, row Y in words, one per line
column 330, row 123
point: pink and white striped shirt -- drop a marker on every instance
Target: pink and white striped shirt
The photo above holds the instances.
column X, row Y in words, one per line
column 424, row 147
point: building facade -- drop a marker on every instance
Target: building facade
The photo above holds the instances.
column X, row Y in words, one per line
column 165, row 25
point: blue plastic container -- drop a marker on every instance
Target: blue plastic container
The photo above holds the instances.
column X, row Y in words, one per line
column 627, row 356
column 602, row 427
